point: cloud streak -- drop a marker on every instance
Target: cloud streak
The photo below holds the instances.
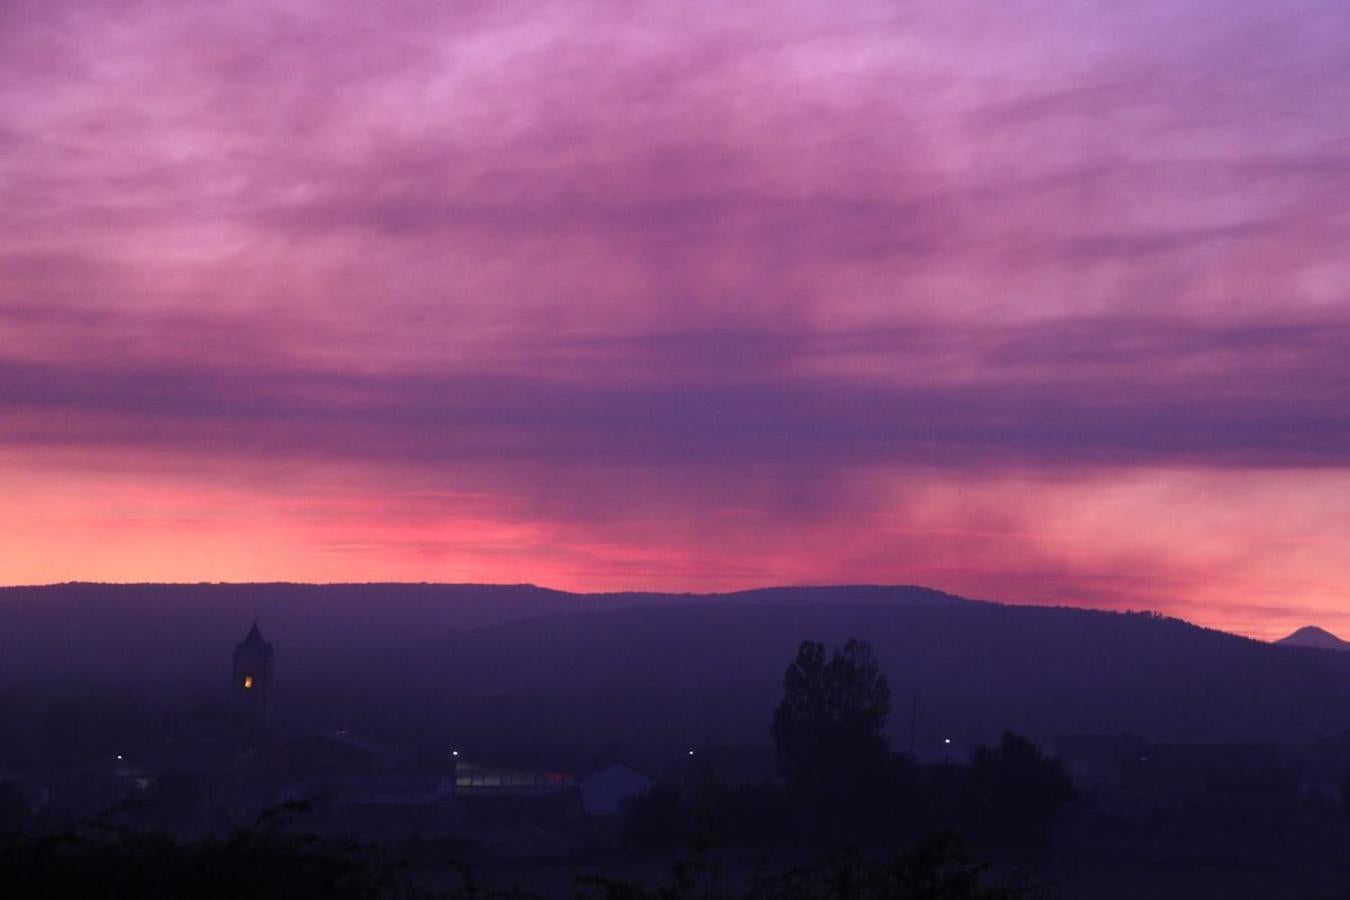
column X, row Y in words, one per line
column 1123, row 392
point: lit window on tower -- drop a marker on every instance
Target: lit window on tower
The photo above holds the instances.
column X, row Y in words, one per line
column 248, row 681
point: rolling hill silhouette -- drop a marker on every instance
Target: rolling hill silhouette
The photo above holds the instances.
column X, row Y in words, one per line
column 1312, row 636
column 512, row 666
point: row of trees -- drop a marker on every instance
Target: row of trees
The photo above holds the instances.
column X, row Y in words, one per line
column 842, row 784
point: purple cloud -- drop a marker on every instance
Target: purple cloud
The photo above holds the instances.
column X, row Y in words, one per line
column 742, row 258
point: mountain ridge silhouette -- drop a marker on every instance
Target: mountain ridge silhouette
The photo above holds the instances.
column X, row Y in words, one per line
column 510, row 666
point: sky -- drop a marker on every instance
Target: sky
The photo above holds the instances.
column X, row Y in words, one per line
column 1029, row 301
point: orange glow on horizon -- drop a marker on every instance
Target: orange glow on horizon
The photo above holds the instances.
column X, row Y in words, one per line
column 1254, row 556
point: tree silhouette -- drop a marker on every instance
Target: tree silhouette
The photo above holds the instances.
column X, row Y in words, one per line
column 1344, row 790
column 829, row 732
column 1017, row 792
column 14, row 813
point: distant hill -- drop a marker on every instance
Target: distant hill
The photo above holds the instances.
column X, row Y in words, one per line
column 1312, row 636
column 521, row 666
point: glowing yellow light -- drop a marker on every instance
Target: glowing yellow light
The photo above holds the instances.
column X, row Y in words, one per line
column 248, row 682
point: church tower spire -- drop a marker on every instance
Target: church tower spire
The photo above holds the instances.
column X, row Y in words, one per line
column 252, row 677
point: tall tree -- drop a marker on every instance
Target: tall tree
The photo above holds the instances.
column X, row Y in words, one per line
column 830, row 734
column 1017, row 792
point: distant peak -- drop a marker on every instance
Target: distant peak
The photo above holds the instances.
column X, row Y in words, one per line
column 1312, row 636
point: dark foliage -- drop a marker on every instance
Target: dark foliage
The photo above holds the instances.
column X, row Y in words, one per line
column 1015, row 793
column 842, row 787
column 260, row 863
column 830, row 735
column 124, row 864
column 936, row 868
column 14, row 813
column 1345, row 796
column 659, row 820
column 1007, row 801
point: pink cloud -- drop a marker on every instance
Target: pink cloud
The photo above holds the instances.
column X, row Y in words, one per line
column 679, row 294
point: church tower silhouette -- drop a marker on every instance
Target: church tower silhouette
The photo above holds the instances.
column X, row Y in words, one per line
column 251, row 684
